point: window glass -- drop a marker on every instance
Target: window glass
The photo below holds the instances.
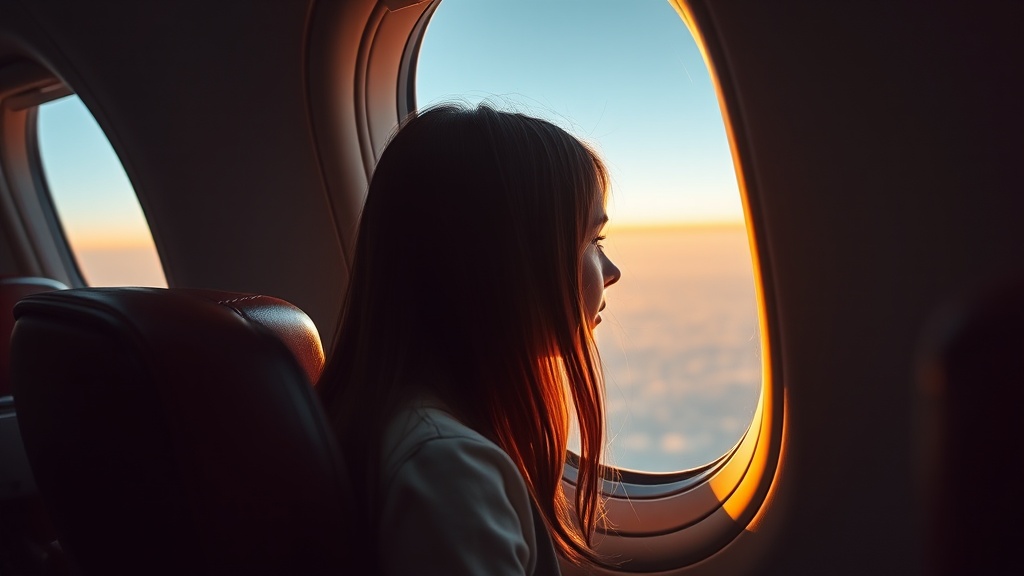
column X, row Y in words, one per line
column 680, row 338
column 95, row 203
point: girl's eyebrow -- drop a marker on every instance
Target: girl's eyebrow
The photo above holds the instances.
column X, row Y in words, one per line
column 601, row 221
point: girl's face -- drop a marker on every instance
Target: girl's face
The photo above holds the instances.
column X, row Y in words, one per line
column 598, row 271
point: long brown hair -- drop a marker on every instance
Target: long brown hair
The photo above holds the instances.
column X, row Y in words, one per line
column 468, row 267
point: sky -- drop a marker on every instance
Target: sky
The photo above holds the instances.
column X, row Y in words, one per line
column 625, row 76
column 92, row 194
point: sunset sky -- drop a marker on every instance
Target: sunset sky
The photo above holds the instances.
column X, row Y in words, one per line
column 626, row 76
column 91, row 192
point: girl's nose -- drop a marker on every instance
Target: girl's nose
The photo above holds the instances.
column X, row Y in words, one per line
column 611, row 271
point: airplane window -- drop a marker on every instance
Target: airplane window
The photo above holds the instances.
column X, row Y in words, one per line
column 94, row 200
column 680, row 338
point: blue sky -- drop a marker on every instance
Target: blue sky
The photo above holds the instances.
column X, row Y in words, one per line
column 624, row 75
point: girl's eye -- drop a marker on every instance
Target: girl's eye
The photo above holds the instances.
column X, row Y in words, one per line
column 598, row 240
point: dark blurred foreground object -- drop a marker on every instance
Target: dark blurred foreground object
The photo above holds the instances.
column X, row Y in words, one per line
column 973, row 435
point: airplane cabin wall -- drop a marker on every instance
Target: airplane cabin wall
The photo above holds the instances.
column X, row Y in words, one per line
column 8, row 263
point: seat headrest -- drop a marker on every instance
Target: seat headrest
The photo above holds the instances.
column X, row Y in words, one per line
column 176, row 431
column 287, row 322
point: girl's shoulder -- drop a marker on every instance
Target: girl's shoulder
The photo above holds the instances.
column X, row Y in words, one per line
column 427, row 428
column 456, row 500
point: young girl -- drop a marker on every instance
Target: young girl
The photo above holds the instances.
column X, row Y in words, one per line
column 466, row 345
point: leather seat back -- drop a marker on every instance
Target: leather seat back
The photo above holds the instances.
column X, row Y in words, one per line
column 177, row 432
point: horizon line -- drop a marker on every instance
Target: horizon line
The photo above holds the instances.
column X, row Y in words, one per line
column 126, row 242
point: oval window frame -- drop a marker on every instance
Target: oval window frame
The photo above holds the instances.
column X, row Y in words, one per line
column 662, row 521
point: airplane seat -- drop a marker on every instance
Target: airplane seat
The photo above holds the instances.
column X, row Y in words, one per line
column 175, row 431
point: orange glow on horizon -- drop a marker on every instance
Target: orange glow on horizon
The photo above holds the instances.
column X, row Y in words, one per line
column 111, row 242
column 635, row 226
